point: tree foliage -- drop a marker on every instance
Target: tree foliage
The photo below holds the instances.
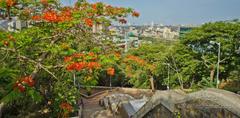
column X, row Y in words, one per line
column 44, row 61
column 64, row 48
column 193, row 59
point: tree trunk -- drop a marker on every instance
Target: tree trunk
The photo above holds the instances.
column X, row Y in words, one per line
column 212, row 71
column 212, row 75
column 1, row 109
column 152, row 83
column 9, row 13
column 180, row 81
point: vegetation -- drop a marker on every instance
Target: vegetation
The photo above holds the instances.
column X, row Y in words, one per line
column 193, row 59
column 61, row 51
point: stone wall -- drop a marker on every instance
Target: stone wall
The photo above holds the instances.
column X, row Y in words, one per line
column 160, row 111
column 203, row 109
column 209, row 103
column 165, row 100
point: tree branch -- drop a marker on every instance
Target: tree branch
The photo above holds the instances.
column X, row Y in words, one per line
column 38, row 65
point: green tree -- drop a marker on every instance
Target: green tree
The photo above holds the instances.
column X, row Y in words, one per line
column 35, row 56
column 155, row 56
column 226, row 33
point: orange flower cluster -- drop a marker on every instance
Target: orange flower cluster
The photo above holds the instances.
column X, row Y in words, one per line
column 68, row 59
column 91, row 57
column 9, row 39
column 21, row 85
column 88, row 22
column 79, row 55
column 36, row 18
column 6, row 43
column 50, row 16
column 136, row 59
column 111, row 71
column 109, row 10
column 91, row 54
column 54, row 17
column 135, row 14
column 118, row 10
column 100, row 8
column 44, row 2
column 92, row 65
column 78, row 66
column 94, row 6
column 65, row 15
column 10, row 3
column 115, row 11
column 123, row 21
column 117, row 54
column 66, row 106
column 29, row 81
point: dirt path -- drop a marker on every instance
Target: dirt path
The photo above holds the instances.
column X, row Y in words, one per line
column 92, row 109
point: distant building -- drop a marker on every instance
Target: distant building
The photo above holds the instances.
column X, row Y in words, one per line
column 98, row 28
column 162, row 32
column 169, row 34
column 125, row 38
column 13, row 25
column 133, row 36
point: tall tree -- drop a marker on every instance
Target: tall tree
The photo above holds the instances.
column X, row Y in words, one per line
column 225, row 33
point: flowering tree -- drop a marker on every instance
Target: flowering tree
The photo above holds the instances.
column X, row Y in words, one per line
column 58, row 51
column 139, row 71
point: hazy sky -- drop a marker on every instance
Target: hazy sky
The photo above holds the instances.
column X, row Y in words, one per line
column 179, row 11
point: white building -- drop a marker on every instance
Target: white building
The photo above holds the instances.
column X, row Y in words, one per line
column 13, row 25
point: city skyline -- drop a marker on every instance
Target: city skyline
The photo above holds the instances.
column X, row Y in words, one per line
column 174, row 12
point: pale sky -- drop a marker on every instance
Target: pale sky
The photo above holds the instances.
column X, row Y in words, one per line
column 178, row 11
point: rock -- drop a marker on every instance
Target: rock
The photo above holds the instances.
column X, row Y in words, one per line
column 114, row 101
column 105, row 103
column 101, row 103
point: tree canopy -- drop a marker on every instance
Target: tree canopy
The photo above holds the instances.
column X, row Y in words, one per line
column 64, row 48
column 59, row 51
